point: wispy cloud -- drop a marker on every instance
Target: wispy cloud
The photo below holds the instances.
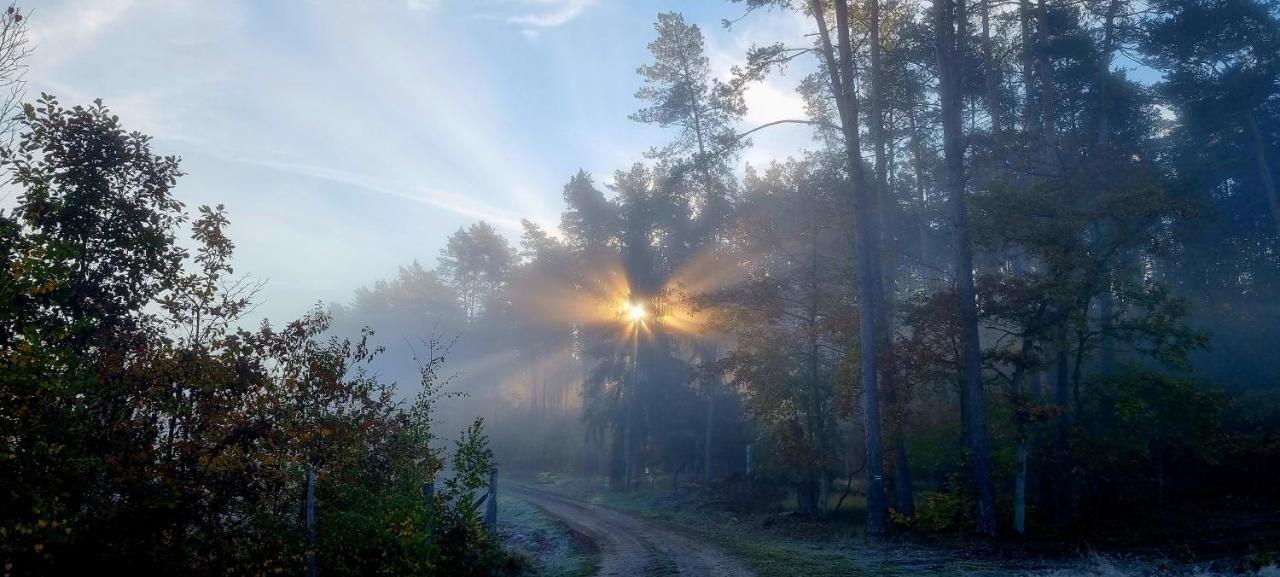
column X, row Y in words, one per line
column 422, row 5
column 348, row 138
column 62, row 30
column 550, row 13
column 467, row 206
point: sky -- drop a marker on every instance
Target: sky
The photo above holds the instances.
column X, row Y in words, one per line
column 348, row 138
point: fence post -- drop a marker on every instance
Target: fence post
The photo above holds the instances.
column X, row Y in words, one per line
column 748, row 460
column 429, row 495
column 491, row 504
column 309, row 517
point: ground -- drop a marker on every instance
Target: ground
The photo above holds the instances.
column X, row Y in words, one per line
column 630, row 545
column 589, row 530
column 552, row 549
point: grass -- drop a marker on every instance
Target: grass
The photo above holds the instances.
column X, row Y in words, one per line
column 822, row 549
column 776, row 545
column 550, row 548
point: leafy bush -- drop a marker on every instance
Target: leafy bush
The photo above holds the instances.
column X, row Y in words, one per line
column 1144, row 432
column 941, row 512
column 138, row 429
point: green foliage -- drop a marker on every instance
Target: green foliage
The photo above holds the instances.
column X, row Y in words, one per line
column 942, row 512
column 1143, row 429
column 682, row 93
column 472, row 464
column 793, row 322
column 139, row 429
column 1251, row 427
column 476, row 262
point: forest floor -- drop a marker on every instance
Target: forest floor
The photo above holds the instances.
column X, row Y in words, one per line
column 658, row 532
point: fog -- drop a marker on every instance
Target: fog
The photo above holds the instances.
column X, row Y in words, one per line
column 572, row 287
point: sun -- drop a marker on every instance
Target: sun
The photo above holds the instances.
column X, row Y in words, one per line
column 635, row 312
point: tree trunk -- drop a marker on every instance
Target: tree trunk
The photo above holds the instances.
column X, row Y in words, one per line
column 706, row 443
column 1264, row 166
column 991, row 73
column 628, row 422
column 807, row 495
column 1106, row 321
column 868, row 244
column 876, row 113
column 917, row 159
column 1045, row 65
column 1062, row 481
column 1106, row 300
column 951, row 33
column 1103, row 78
column 627, row 459
column 1020, row 433
column 903, row 501
column 708, row 353
column 903, row 496
column 1030, row 112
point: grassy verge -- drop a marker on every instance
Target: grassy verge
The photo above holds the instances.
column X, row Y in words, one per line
column 551, row 549
column 775, row 545
column 788, row 548
column 778, row 545
column 782, row 545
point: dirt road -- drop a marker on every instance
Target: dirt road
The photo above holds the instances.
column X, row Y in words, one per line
column 628, row 545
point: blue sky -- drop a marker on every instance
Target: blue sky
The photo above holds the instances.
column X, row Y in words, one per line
column 348, row 138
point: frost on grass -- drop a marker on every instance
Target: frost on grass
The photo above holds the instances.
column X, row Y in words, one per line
column 1110, row 566
column 548, row 545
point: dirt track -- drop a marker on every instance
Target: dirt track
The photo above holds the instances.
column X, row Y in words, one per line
column 628, row 545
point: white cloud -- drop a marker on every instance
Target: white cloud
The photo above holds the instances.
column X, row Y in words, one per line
column 346, row 145
column 422, row 5
column 550, row 13
column 774, row 98
column 467, row 206
column 343, row 146
column 61, row 32
column 770, row 101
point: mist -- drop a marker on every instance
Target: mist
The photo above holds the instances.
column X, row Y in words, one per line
column 576, row 287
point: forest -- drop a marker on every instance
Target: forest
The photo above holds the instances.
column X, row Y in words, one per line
column 1020, row 292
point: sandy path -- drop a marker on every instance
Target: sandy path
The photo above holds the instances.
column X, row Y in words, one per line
column 629, row 545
